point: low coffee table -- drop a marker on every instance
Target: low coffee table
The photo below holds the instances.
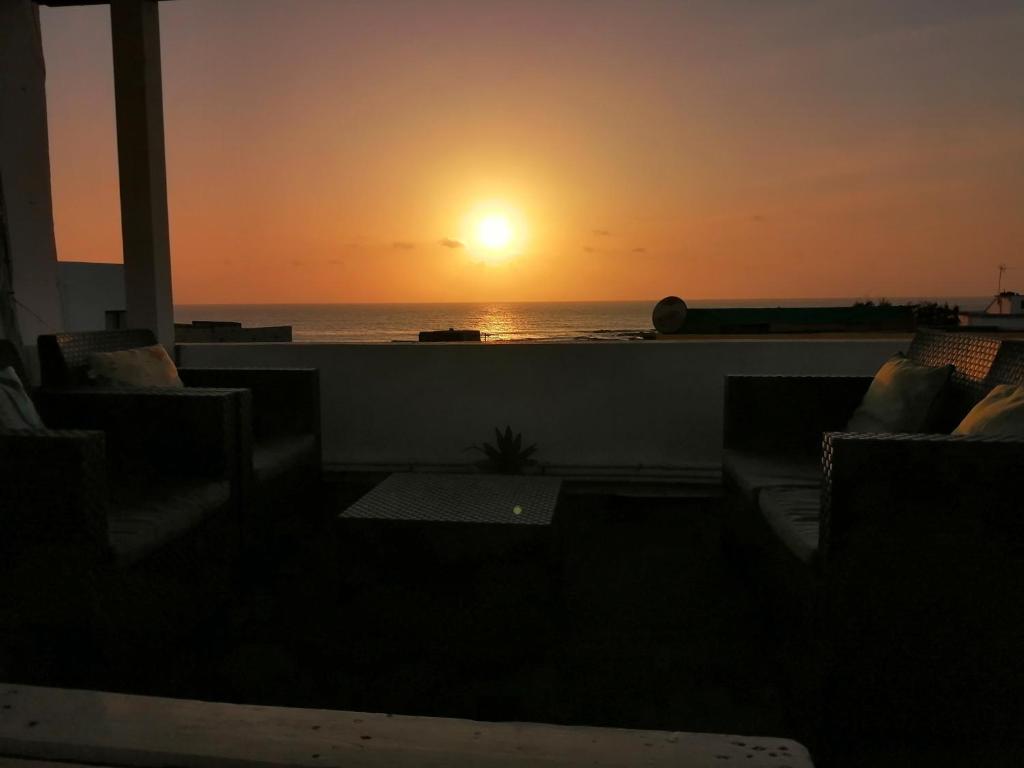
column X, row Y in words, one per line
column 486, row 499
column 446, row 565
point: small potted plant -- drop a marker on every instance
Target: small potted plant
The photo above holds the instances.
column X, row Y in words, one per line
column 506, row 455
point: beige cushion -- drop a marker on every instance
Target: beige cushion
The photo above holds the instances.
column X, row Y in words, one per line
column 1000, row 414
column 901, row 397
column 17, row 410
column 139, row 367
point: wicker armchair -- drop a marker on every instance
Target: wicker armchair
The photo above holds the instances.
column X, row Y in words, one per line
column 279, row 426
column 118, row 526
column 885, row 557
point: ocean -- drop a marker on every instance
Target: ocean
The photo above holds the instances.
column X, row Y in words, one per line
column 497, row 321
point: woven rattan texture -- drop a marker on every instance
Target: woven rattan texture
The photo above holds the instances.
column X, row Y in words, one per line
column 971, row 356
column 286, row 401
column 193, row 431
column 64, row 357
column 53, row 486
column 954, row 448
column 786, row 413
column 1009, row 365
column 515, row 500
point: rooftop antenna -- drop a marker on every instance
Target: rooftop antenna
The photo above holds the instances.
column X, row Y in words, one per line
column 1002, row 269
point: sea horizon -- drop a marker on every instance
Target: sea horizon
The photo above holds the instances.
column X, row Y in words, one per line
column 370, row 322
column 763, row 300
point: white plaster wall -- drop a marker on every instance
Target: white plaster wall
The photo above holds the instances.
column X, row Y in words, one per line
column 87, row 291
column 601, row 406
column 25, row 169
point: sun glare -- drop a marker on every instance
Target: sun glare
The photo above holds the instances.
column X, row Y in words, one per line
column 494, row 231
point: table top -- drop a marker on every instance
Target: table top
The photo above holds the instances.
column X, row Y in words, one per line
column 494, row 499
column 95, row 728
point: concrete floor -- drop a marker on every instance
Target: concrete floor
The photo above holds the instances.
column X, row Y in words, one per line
column 625, row 614
column 626, row 617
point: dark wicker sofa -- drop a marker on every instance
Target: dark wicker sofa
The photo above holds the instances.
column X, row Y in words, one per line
column 890, row 565
column 279, row 426
column 116, row 526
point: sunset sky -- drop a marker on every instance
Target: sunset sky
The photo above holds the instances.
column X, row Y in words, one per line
column 328, row 151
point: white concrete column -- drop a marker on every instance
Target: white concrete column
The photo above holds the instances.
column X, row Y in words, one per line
column 25, row 173
column 138, row 93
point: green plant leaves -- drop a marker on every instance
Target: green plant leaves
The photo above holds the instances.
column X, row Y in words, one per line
column 507, row 455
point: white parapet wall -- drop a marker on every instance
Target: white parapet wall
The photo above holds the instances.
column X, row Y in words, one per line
column 596, row 408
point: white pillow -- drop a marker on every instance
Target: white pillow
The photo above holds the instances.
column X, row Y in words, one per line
column 17, row 411
column 139, row 367
column 1000, row 414
column 901, row 397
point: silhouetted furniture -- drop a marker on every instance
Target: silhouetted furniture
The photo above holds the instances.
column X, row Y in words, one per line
column 478, row 550
column 886, row 559
column 455, row 516
column 279, row 427
column 117, row 527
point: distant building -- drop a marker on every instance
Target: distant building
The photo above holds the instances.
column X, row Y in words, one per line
column 92, row 299
column 1005, row 313
column 222, row 331
column 451, row 334
column 748, row 320
column 91, row 295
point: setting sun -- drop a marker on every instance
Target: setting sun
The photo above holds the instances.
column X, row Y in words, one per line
column 494, row 232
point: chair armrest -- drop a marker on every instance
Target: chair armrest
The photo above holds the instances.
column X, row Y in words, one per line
column 284, row 400
column 922, row 558
column 896, row 499
column 789, row 413
column 52, row 487
column 172, row 431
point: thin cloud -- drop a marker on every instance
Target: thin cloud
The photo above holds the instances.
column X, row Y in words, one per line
column 450, row 242
column 639, row 250
column 403, row 245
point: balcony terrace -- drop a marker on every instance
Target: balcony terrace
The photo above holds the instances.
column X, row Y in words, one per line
column 631, row 615
column 623, row 633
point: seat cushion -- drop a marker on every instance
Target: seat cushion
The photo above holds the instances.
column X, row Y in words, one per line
column 753, row 472
column 144, row 517
column 794, row 515
column 274, row 457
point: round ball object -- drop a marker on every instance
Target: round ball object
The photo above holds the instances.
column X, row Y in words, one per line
column 669, row 315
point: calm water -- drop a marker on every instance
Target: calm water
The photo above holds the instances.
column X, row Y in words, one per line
column 513, row 321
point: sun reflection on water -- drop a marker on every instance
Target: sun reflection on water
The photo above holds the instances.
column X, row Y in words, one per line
column 497, row 323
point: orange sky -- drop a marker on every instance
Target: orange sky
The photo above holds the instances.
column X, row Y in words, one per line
column 320, row 151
